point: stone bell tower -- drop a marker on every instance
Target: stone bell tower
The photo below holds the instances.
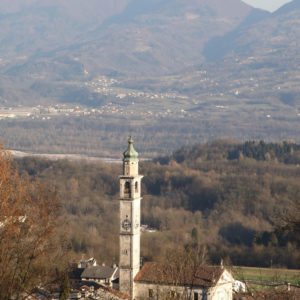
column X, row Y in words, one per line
column 130, row 218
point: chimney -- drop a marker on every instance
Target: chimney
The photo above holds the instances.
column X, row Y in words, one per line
column 222, row 264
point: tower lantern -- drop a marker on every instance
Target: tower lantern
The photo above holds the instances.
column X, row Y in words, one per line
column 130, row 161
column 130, row 218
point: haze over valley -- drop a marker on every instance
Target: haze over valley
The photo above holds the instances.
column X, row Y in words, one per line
column 75, row 77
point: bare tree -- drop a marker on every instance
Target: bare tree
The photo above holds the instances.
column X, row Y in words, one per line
column 32, row 248
column 181, row 269
column 290, row 219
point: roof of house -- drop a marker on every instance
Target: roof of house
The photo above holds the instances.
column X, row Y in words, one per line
column 204, row 276
column 98, row 272
column 100, row 288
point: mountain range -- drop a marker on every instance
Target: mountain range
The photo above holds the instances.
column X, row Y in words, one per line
column 46, row 43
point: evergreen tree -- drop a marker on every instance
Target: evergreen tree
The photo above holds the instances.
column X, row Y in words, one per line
column 65, row 288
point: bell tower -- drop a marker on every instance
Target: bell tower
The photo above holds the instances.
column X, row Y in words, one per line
column 130, row 218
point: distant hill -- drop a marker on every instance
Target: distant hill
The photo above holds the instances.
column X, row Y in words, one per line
column 157, row 37
column 32, row 27
column 276, row 33
column 254, row 64
column 218, row 47
column 46, row 45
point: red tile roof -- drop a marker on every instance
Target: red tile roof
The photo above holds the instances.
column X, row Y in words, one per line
column 204, row 276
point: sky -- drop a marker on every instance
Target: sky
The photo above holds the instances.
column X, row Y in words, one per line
column 270, row 5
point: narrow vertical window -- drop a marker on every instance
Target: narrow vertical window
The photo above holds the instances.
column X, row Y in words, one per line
column 136, row 187
column 151, row 293
column 127, row 188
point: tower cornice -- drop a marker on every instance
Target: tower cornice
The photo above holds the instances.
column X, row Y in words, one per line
column 131, row 176
column 130, row 199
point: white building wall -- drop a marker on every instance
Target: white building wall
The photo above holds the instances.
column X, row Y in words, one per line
column 220, row 292
column 142, row 291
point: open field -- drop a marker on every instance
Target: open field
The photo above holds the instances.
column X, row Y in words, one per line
column 267, row 274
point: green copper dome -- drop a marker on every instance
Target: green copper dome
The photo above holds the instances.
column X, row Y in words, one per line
column 130, row 154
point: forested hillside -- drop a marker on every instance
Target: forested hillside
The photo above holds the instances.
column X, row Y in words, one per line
column 226, row 195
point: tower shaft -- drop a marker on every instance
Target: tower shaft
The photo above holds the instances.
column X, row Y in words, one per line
column 130, row 217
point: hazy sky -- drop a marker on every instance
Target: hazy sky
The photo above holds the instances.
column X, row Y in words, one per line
column 270, row 5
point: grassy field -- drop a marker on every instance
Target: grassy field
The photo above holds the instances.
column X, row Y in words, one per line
column 266, row 274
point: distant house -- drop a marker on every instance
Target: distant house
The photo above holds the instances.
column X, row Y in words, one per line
column 91, row 262
column 101, row 274
column 158, row 281
column 77, row 269
column 82, row 291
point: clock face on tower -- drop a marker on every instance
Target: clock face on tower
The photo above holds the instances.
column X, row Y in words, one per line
column 126, row 224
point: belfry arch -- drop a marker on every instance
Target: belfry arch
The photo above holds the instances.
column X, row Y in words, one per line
column 127, row 188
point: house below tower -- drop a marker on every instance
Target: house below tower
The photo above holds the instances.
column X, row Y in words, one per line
column 165, row 281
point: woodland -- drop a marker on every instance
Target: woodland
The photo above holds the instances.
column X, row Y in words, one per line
column 233, row 198
column 34, row 250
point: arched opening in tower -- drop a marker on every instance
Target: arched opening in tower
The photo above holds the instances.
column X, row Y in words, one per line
column 127, row 188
